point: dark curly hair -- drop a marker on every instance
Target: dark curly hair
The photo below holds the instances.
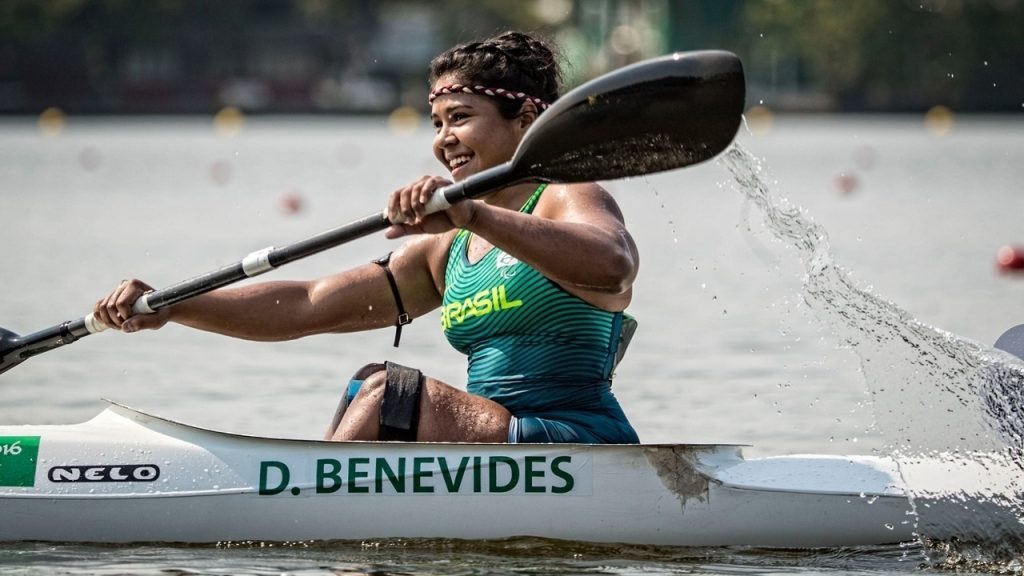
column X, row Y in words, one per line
column 512, row 60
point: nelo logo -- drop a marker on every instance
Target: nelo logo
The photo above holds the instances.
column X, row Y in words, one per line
column 111, row 473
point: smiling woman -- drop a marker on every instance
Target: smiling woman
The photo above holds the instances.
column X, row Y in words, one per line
column 540, row 333
column 541, row 327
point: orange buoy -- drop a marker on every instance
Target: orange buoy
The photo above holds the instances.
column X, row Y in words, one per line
column 1010, row 259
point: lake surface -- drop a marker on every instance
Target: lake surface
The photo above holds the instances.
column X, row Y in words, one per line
column 829, row 286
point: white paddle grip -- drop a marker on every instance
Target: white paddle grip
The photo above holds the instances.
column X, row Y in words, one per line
column 141, row 305
column 436, row 203
column 93, row 325
column 257, row 262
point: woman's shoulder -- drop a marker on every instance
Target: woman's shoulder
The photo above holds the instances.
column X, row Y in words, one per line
column 583, row 195
column 575, row 188
column 429, row 246
column 427, row 251
column 426, row 255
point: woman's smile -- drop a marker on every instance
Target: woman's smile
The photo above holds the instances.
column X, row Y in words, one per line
column 457, row 162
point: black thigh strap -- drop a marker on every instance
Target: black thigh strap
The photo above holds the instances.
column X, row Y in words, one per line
column 400, row 408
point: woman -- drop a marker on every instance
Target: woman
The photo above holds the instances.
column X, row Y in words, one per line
column 531, row 281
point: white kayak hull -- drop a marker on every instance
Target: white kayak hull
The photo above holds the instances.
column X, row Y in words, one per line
column 126, row 476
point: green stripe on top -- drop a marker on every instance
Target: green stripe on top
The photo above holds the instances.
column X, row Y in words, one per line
column 531, row 345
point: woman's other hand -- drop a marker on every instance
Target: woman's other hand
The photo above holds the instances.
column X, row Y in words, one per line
column 116, row 309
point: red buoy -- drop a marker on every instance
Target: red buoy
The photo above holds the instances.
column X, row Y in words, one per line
column 220, row 172
column 1010, row 259
column 291, row 202
column 846, row 183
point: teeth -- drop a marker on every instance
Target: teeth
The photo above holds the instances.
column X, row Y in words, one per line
column 458, row 161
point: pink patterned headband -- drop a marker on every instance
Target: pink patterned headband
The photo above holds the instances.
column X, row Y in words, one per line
column 494, row 92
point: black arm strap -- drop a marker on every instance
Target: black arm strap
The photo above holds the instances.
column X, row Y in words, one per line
column 403, row 316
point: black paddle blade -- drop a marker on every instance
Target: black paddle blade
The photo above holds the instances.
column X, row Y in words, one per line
column 10, row 355
column 16, row 349
column 1012, row 341
column 652, row 116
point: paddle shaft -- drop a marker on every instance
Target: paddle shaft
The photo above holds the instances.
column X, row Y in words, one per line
column 268, row 259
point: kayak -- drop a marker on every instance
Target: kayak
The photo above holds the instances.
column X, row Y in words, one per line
column 128, row 476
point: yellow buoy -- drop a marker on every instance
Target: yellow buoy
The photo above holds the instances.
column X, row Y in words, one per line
column 51, row 121
column 404, row 120
column 939, row 120
column 760, row 120
column 228, row 121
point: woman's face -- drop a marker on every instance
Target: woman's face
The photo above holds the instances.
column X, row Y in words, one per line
column 471, row 134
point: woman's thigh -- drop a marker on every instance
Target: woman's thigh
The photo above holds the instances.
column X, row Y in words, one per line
column 448, row 414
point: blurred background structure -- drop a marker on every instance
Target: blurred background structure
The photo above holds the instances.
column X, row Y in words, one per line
column 365, row 56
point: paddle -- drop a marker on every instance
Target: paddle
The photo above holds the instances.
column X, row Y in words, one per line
column 652, row 116
column 1012, row 341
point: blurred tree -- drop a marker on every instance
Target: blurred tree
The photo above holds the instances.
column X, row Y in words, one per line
column 305, row 55
column 885, row 54
column 828, row 36
column 23, row 20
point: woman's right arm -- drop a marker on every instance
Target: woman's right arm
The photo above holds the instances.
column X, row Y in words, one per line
column 357, row 299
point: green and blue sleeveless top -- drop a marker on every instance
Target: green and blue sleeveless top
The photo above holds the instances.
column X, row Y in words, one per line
column 533, row 347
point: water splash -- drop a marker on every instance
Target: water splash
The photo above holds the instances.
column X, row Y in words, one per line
column 950, row 410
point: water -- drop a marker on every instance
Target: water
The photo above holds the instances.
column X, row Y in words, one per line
column 448, row 558
column 856, row 323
